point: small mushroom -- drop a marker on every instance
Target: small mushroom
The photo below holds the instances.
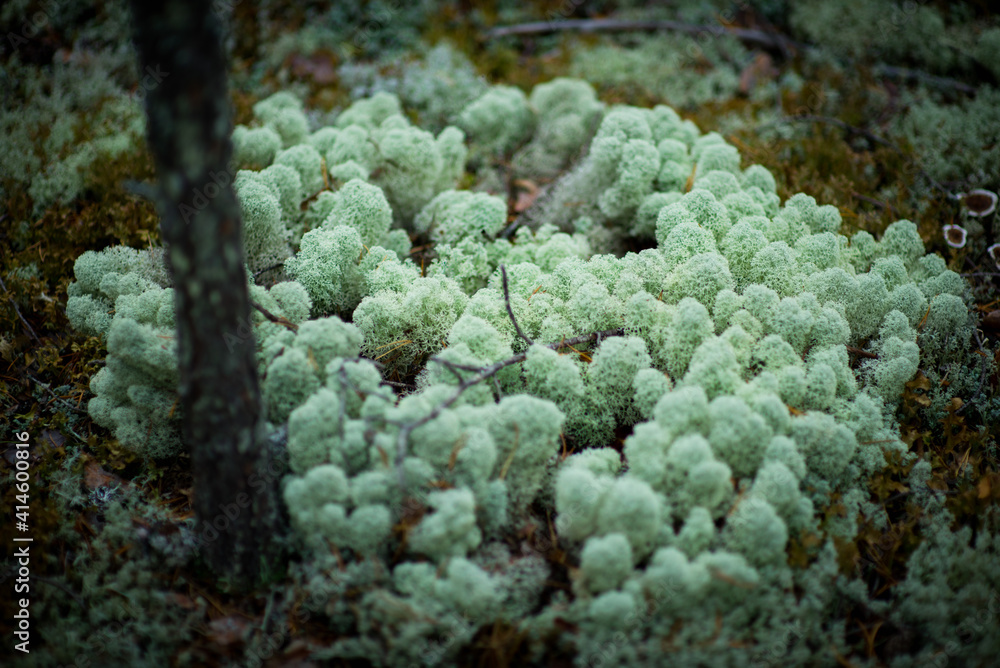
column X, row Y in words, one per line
column 994, row 253
column 979, row 203
column 954, row 236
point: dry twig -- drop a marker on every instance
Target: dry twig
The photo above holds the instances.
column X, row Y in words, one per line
column 483, row 374
column 10, row 298
column 748, row 35
column 510, row 311
column 273, row 318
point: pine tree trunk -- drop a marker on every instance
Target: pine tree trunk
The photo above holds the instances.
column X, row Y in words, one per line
column 183, row 79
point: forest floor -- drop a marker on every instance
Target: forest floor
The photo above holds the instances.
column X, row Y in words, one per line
column 835, row 140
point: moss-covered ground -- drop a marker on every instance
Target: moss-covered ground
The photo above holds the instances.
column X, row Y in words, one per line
column 873, row 137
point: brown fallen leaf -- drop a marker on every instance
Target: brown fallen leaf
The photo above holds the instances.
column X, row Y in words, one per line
column 991, row 322
column 526, row 195
column 54, row 438
column 761, row 67
column 182, row 600
column 227, row 630
column 321, row 67
column 690, row 179
column 94, row 476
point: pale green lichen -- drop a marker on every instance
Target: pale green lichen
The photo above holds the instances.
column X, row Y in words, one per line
column 721, row 362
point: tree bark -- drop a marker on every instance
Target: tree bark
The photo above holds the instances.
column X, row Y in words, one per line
column 183, row 79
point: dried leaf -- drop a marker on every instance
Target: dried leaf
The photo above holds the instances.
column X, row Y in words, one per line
column 94, row 476
column 54, row 438
column 729, row 579
column 526, row 195
column 937, row 485
column 182, row 600
column 227, row 630
column 690, row 179
column 919, row 382
column 759, row 68
column 991, row 322
column 453, row 459
column 321, row 67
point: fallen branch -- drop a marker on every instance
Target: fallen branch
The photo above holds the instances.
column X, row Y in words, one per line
column 48, row 388
column 762, row 38
column 748, row 35
column 861, row 353
column 453, row 368
column 273, row 318
column 846, row 126
column 871, row 200
column 13, row 303
column 257, row 273
column 402, row 386
column 908, row 74
column 510, row 311
column 483, row 374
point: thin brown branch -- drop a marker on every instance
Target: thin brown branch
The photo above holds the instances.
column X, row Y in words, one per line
column 486, row 372
column 761, row 38
column 908, row 74
column 748, row 35
column 886, row 206
column 10, row 298
column 274, row 318
column 257, row 273
column 456, row 365
column 861, row 353
column 48, row 388
column 510, row 311
column 453, row 368
column 402, row 386
column 814, row 118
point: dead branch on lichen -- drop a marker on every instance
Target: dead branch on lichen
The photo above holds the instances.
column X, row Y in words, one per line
column 483, row 374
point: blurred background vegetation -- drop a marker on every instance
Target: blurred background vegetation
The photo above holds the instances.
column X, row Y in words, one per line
column 887, row 110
